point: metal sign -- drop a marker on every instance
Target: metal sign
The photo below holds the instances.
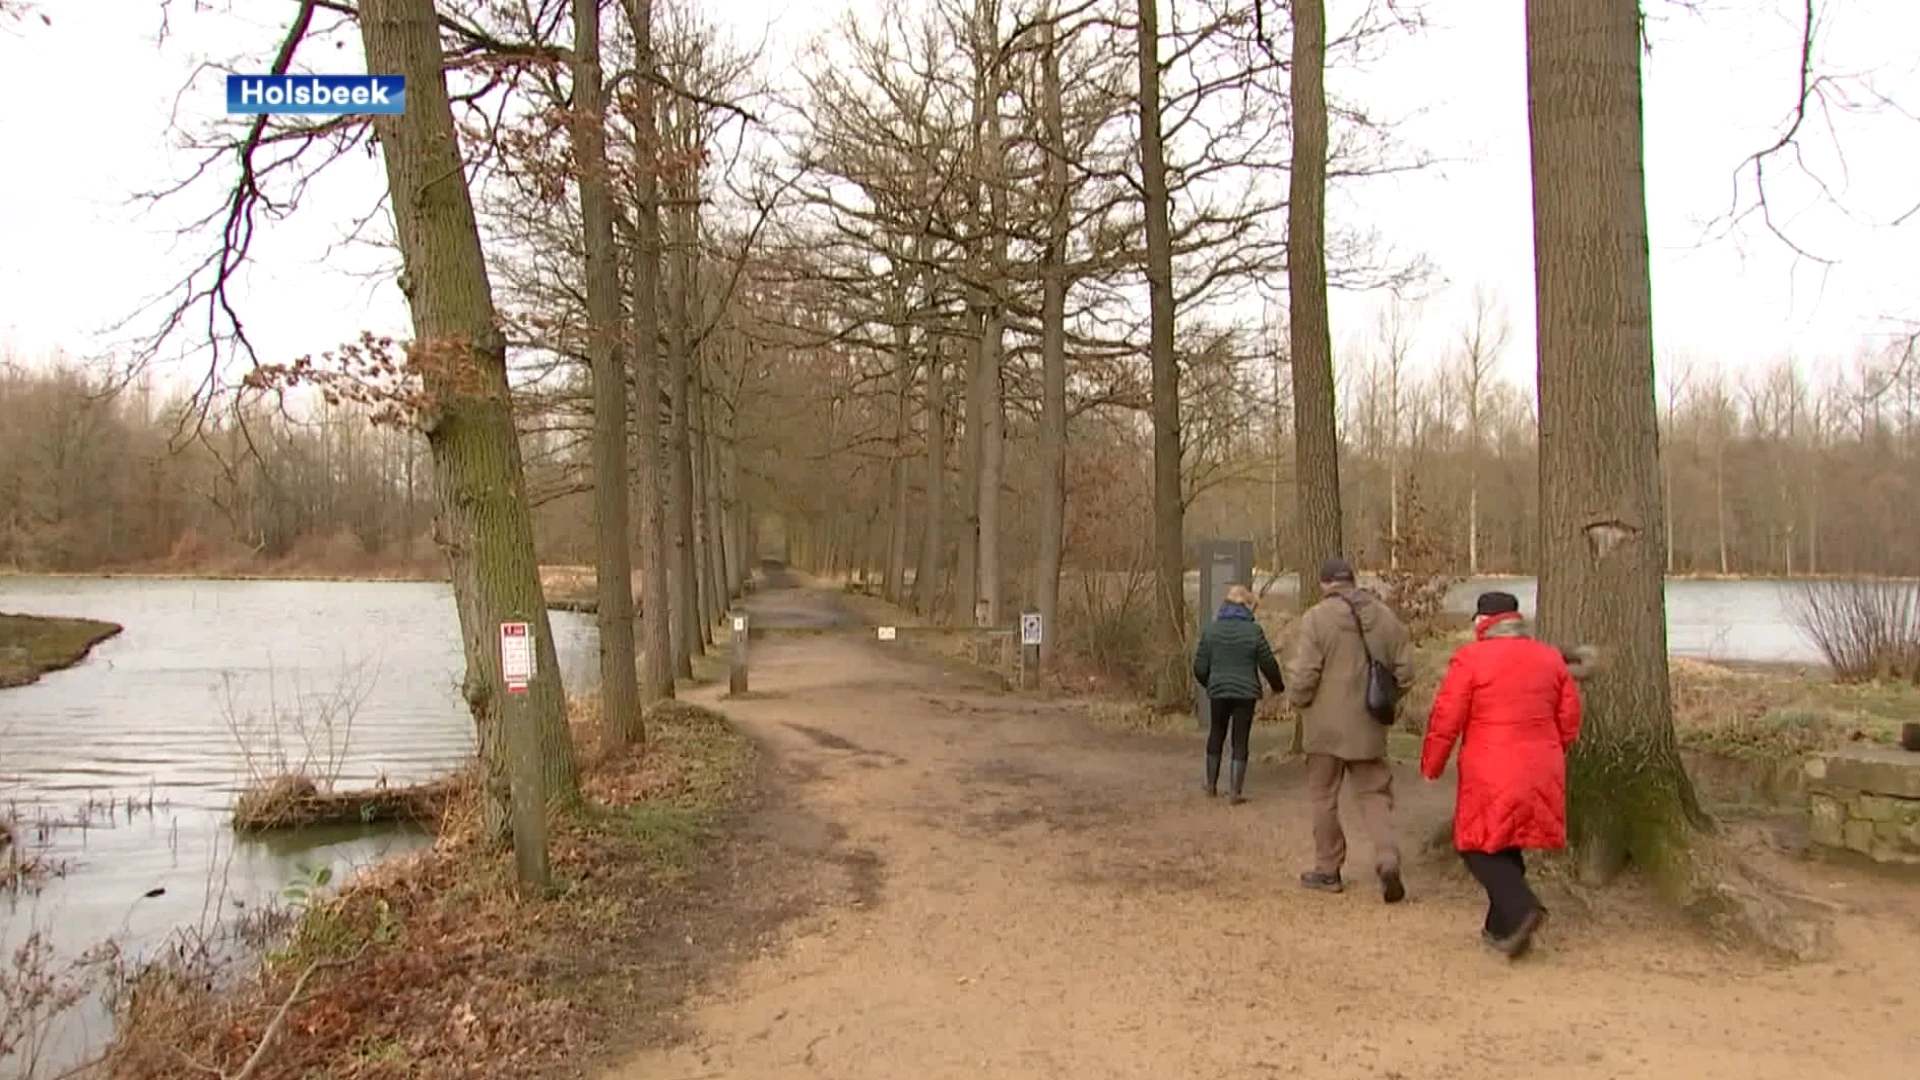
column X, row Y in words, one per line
column 739, row 623
column 516, row 656
column 1030, row 628
column 886, row 633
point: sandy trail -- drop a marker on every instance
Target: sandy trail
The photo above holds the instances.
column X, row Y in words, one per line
column 1017, row 893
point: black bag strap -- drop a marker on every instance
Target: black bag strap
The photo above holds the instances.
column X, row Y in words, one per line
column 1355, row 610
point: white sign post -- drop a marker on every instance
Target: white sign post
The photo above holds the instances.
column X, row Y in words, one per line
column 1029, row 628
column 516, row 656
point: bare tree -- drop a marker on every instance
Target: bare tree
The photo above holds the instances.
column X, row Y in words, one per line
column 1316, row 442
column 1482, row 339
column 461, row 357
column 1600, row 514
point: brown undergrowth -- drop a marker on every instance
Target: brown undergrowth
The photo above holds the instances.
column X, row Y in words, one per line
column 429, row 966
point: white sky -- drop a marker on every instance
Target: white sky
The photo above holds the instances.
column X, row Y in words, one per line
column 75, row 257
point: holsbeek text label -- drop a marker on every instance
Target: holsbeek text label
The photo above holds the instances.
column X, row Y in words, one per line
column 320, row 95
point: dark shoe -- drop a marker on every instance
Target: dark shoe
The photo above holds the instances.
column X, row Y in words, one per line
column 1236, row 782
column 1515, row 945
column 1314, row 879
column 1392, row 890
column 1213, row 775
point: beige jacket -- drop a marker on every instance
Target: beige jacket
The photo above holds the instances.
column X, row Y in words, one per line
column 1326, row 673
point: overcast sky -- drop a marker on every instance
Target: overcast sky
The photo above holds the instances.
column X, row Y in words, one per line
column 89, row 99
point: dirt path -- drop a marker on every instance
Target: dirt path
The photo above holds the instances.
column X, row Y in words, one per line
column 1017, row 893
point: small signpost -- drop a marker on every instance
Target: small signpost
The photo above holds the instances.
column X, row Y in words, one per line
column 737, row 656
column 516, row 656
column 887, row 633
column 1031, row 633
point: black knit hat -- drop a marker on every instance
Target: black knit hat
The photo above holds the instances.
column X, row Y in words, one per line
column 1495, row 603
column 1336, row 569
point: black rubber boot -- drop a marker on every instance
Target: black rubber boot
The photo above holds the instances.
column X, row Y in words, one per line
column 1236, row 781
column 1213, row 775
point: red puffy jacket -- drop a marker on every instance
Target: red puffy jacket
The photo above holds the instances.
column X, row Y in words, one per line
column 1515, row 709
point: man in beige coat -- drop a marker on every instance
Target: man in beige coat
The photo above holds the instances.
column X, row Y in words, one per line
column 1326, row 679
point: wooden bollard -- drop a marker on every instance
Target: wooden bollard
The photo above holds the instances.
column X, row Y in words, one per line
column 737, row 655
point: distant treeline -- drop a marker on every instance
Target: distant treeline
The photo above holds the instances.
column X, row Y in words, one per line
column 1772, row 474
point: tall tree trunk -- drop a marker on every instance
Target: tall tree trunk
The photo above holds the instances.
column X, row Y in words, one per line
column 619, row 686
column 1316, row 441
column 966, row 578
column 656, row 627
column 679, row 384
column 1169, row 508
column 706, row 567
column 716, row 512
column 460, row 354
column 1053, row 348
column 1600, row 511
column 895, row 580
column 926, row 581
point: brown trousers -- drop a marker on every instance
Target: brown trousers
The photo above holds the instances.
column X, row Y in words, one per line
column 1372, row 787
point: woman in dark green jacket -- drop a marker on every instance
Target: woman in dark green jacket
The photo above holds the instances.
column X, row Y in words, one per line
column 1232, row 656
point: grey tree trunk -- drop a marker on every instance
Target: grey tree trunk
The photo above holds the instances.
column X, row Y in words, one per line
column 460, row 355
column 1169, row 508
column 895, row 580
column 926, row 581
column 678, row 384
column 656, row 629
column 1316, row 440
column 1629, row 799
column 619, row 686
column 1053, row 350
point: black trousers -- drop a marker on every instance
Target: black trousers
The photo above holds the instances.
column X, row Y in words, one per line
column 1509, row 898
column 1236, row 713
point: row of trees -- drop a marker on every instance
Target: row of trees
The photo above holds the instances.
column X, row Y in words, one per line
column 1786, row 470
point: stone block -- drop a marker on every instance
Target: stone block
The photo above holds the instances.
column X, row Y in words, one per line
column 1877, row 770
column 1858, row 836
column 1827, row 820
column 1880, row 808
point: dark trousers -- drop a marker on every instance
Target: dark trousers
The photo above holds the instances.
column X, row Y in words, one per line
column 1509, row 898
column 1236, row 713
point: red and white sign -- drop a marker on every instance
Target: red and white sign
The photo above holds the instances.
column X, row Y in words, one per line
column 516, row 656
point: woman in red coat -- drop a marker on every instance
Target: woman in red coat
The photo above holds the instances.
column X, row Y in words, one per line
column 1512, row 704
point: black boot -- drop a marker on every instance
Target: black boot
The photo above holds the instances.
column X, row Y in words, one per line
column 1236, row 780
column 1213, row 775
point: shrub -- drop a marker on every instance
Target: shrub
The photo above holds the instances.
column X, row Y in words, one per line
column 1867, row 630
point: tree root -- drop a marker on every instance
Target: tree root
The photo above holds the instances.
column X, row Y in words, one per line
column 1740, row 905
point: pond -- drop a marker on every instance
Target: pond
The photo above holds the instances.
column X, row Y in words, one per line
column 124, row 768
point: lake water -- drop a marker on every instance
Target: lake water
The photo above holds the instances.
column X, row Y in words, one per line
column 151, row 717
column 1736, row 621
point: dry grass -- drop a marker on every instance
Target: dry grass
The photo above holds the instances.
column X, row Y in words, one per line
column 32, row 645
column 430, row 966
column 295, row 801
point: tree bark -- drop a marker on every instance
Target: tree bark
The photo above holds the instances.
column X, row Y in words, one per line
column 1600, row 510
column 1053, row 348
column 656, row 628
column 895, row 580
column 1169, row 508
column 926, row 580
column 460, row 354
column 619, row 686
column 679, row 384
column 966, row 578
column 1316, row 440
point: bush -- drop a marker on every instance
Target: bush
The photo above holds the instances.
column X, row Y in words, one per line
column 1107, row 628
column 1867, row 630
column 1419, row 576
